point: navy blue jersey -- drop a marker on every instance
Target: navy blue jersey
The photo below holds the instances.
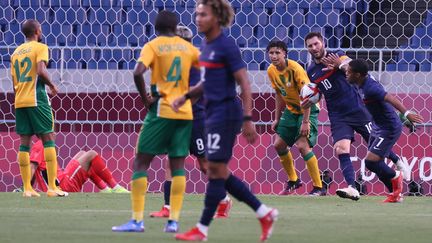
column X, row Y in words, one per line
column 219, row 60
column 342, row 99
column 198, row 107
column 383, row 114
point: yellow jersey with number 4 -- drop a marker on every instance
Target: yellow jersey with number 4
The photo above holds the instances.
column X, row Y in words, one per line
column 288, row 84
column 29, row 90
column 170, row 60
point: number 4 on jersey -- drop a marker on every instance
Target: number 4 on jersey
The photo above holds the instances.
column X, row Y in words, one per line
column 174, row 73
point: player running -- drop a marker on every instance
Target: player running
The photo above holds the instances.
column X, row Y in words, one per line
column 386, row 125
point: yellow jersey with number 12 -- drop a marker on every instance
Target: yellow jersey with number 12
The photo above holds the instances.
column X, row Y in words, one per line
column 29, row 90
column 170, row 60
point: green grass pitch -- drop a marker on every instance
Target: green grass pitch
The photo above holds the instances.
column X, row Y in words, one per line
column 89, row 217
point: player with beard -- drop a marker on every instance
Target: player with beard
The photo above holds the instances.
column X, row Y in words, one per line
column 345, row 108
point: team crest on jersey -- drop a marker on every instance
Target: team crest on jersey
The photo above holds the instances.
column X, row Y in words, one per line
column 211, row 56
column 285, row 81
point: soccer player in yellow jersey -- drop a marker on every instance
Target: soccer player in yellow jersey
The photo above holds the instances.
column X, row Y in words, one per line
column 33, row 111
column 165, row 131
column 295, row 125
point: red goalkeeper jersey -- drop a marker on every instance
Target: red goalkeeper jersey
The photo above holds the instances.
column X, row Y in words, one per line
column 40, row 175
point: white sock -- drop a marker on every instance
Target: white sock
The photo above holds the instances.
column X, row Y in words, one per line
column 202, row 228
column 167, row 207
column 397, row 174
column 226, row 199
column 262, row 211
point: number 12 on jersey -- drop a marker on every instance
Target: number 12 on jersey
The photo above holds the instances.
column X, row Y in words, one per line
column 22, row 77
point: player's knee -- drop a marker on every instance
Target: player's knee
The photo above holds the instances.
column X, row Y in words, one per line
column 92, row 153
column 217, row 170
column 203, row 164
column 280, row 148
column 176, row 163
column 25, row 140
column 78, row 155
column 213, row 171
column 341, row 149
column 47, row 137
column 303, row 147
column 304, row 150
column 370, row 156
column 141, row 162
column 86, row 158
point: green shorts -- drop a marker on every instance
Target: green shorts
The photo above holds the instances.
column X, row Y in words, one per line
column 34, row 120
column 289, row 127
column 164, row 136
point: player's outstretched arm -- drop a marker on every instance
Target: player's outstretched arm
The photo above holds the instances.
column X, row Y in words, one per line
column 248, row 130
column 411, row 116
column 193, row 93
column 43, row 74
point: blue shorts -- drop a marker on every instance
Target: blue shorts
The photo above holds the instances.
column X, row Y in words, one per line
column 220, row 140
column 345, row 130
column 198, row 142
column 381, row 142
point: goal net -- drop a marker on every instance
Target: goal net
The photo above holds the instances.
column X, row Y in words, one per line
column 94, row 45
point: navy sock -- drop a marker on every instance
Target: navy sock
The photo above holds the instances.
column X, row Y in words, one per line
column 380, row 168
column 239, row 190
column 214, row 194
column 167, row 192
column 347, row 169
column 384, row 173
column 393, row 157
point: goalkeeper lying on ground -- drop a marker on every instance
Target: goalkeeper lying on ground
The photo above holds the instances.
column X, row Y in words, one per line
column 84, row 165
